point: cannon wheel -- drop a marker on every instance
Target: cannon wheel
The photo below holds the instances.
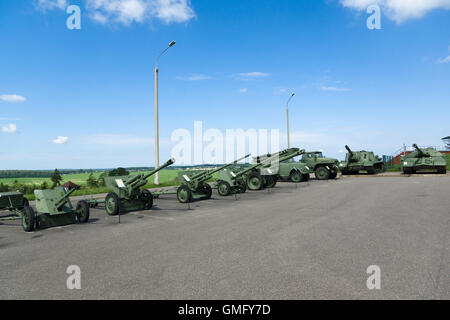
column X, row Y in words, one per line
column 147, row 197
column 224, row 188
column 242, row 186
column 184, row 194
column 322, row 173
column 28, row 219
column 296, row 176
column 255, row 182
column 208, row 191
column 112, row 204
column 82, row 211
column 270, row 181
column 26, row 203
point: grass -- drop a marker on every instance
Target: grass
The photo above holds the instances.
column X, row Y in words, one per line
column 80, row 178
column 166, row 178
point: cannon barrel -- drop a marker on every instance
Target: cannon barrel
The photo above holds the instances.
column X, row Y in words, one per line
column 64, row 198
column 268, row 162
column 206, row 175
column 165, row 165
column 136, row 181
column 349, row 150
column 420, row 151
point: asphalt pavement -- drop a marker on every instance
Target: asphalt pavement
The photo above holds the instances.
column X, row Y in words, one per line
column 313, row 240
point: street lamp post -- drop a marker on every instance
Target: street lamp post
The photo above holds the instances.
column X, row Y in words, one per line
column 156, row 113
column 287, row 119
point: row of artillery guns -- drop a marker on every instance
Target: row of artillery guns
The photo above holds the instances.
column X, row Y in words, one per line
column 261, row 174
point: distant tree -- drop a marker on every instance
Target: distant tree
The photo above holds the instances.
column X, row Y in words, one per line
column 101, row 180
column 56, row 178
column 118, row 172
column 91, row 181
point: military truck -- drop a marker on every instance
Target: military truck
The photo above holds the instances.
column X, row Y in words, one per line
column 356, row 161
column 323, row 168
column 424, row 159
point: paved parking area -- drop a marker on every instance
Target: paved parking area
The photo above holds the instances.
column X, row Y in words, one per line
column 310, row 241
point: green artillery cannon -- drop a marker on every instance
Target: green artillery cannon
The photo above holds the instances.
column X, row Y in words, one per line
column 265, row 171
column 194, row 185
column 356, row 161
column 126, row 193
column 15, row 203
column 55, row 209
column 424, row 159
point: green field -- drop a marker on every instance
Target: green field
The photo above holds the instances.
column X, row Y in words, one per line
column 80, row 178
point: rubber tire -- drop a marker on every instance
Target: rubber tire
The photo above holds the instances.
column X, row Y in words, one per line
column 28, row 214
column 225, row 186
column 26, row 203
column 208, row 191
column 296, row 176
column 259, row 186
column 270, row 181
column 116, row 200
column 326, row 173
column 86, row 209
column 188, row 191
column 305, row 177
column 148, row 204
column 242, row 186
column 333, row 175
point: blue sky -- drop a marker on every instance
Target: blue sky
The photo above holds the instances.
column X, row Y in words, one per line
column 85, row 98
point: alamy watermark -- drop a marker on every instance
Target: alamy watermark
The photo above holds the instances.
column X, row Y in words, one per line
column 374, row 280
column 374, row 21
column 74, row 20
column 74, row 280
column 213, row 146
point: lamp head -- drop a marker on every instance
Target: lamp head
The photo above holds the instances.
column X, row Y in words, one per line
column 172, row 43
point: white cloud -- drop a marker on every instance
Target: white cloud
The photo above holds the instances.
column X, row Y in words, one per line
column 254, row 75
column 444, row 60
column 51, row 4
column 243, row 90
column 12, row 98
column 129, row 11
column 10, row 128
column 400, row 10
column 116, row 139
column 334, row 89
column 60, row 140
column 195, row 77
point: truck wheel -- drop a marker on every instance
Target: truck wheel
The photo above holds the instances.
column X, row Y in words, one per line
column 224, row 188
column 28, row 219
column 112, row 204
column 255, row 182
column 333, row 175
column 82, row 211
column 147, row 198
column 295, row 176
column 184, row 194
column 322, row 173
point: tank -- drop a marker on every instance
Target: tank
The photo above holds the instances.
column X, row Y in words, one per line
column 428, row 159
column 356, row 161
